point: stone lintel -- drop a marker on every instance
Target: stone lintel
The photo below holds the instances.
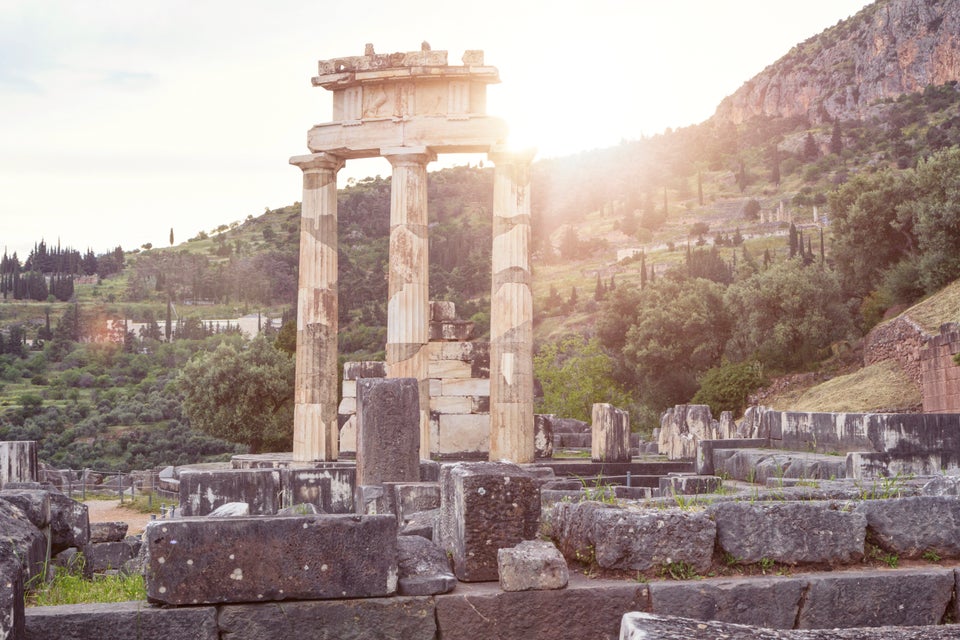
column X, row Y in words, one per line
column 365, row 139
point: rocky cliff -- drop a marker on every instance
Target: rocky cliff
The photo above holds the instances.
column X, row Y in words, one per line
column 889, row 48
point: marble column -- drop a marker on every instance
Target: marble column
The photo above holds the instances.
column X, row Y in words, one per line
column 408, row 304
column 316, row 433
column 511, row 312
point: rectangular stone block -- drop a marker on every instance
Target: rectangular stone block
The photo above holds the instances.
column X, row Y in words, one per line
column 586, row 609
column 104, row 556
column 18, row 461
column 441, row 310
column 121, row 621
column 413, row 497
column 388, row 430
column 307, row 486
column 451, row 404
column 349, row 389
column 465, row 387
column 449, row 369
column 484, row 507
column 611, row 434
column 705, row 449
column 903, row 597
column 463, row 433
column 687, row 485
column 368, row 369
column 206, row 561
column 399, row 618
column 11, row 597
column 343, row 478
column 770, row 602
column 203, row 491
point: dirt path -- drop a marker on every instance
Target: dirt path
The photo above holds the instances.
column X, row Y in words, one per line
column 111, row 511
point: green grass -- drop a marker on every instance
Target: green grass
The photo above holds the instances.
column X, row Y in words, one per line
column 143, row 504
column 68, row 586
column 881, row 386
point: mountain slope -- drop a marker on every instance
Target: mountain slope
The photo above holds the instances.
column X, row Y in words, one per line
column 889, row 48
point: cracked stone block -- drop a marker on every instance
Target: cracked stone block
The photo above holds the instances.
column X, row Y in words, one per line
column 771, row 602
column 256, row 559
column 424, row 568
column 639, row 541
column 35, row 504
column 911, row 526
column 107, row 531
column 485, row 506
column 532, row 564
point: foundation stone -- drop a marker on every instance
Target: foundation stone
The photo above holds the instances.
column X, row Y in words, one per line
column 532, row 564
column 132, row 620
column 201, row 561
column 911, row 526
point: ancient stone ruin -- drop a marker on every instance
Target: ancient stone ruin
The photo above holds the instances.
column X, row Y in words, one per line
column 407, row 108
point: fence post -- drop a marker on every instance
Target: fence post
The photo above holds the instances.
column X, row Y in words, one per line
column 83, row 486
column 120, row 486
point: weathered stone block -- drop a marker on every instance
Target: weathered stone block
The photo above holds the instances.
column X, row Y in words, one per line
column 543, row 435
column 682, row 427
column 121, row 620
column 400, row 618
column 463, row 434
column 449, row 369
column 201, row 561
column 35, row 504
column 911, row 526
column 705, row 449
column 230, row 510
column 532, row 564
column 18, row 461
column 574, row 523
column 105, row 556
column 485, row 506
column 388, row 430
column 107, row 531
column 585, row 609
column 11, row 597
column 424, row 567
column 611, row 434
column 21, row 542
column 369, row 369
column 765, row 465
column 308, row 486
column 638, row 541
column 789, row 532
column 203, row 491
column 451, row 404
column 689, row 485
column 766, row 602
column 465, row 386
column 904, row 597
column 412, row 497
column 69, row 522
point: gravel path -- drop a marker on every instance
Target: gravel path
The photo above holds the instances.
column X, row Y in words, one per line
column 111, row 511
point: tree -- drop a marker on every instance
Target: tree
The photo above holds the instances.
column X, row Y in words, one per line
column 171, row 236
column 935, row 217
column 242, row 392
column 570, row 244
column 811, row 151
column 751, row 210
column 726, row 388
column 836, row 139
column 574, row 374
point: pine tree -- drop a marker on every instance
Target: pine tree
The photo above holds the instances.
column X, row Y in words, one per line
column 836, row 140
column 643, row 270
column 775, row 165
column 766, row 258
column 599, row 291
column 822, row 255
column 700, row 187
column 810, row 149
column 171, row 236
column 793, row 240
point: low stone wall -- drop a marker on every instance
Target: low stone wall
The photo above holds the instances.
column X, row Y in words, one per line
column 900, row 339
column 587, row 608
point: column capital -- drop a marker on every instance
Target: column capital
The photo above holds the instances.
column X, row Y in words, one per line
column 503, row 155
column 318, row 162
column 406, row 156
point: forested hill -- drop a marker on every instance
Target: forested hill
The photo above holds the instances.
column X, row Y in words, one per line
column 889, row 48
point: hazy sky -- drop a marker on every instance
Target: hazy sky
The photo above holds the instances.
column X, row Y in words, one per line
column 120, row 119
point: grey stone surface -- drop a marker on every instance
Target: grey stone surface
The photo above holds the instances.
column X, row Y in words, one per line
column 429, row 471
column 638, row 625
column 902, row 597
column 230, row 510
column 69, row 520
column 104, row 556
column 682, row 427
column 400, row 618
column 35, row 504
column 120, row 621
column 640, row 541
column 21, row 542
column 365, row 369
column 763, row 465
column 255, row 559
column 789, row 532
column 424, row 567
column 543, row 435
column 689, row 485
column 11, row 597
column 573, row 524
column 307, row 486
column 374, row 499
column 342, row 477
column 585, row 610
column 532, row 564
column 107, row 531
column 771, row 602
column 301, row 509
column 705, row 449
column 388, row 430
column 18, row 461
column 201, row 492
column 421, row 524
column 911, row 526
column 485, row 506
column 570, row 425
column 611, row 434
column 939, row 485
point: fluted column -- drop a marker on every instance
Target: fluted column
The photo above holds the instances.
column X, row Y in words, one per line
column 511, row 312
column 316, row 432
column 408, row 305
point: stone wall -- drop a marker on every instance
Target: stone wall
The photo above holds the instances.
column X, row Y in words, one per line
column 900, row 339
column 940, row 375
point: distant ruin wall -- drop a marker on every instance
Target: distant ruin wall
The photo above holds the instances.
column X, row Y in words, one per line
column 940, row 375
column 902, row 340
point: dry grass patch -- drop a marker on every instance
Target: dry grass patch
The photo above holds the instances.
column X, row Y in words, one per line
column 880, row 387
